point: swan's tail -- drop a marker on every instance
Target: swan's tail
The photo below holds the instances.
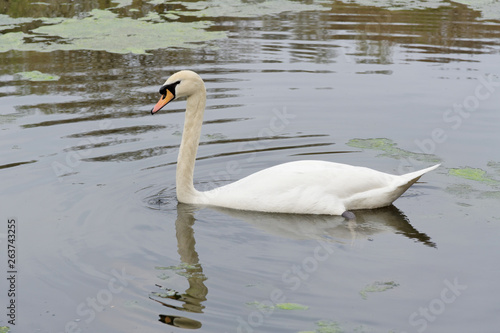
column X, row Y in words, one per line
column 409, row 179
column 412, row 177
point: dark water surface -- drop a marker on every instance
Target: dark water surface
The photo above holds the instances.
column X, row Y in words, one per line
column 89, row 175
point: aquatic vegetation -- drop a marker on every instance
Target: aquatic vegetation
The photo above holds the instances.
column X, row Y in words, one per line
column 260, row 305
column 475, row 188
column 291, row 306
column 183, row 269
column 7, row 22
column 215, row 136
column 390, row 149
column 475, row 174
column 490, row 10
column 281, row 306
column 216, row 8
column 461, row 190
column 104, row 30
column 166, row 294
column 324, row 326
column 377, row 286
column 38, row 76
column 400, row 4
column 494, row 165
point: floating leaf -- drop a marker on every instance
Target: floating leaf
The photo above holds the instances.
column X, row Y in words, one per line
column 390, row 149
column 476, row 174
column 291, row 306
column 38, row 76
column 218, row 8
column 261, row 305
column 281, row 306
column 324, row 326
column 377, row 286
column 104, row 30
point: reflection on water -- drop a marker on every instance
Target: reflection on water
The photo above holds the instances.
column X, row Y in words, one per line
column 367, row 225
column 192, row 299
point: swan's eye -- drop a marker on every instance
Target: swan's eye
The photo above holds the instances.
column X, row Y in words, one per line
column 170, row 87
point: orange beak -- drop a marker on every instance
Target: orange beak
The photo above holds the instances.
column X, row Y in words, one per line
column 163, row 101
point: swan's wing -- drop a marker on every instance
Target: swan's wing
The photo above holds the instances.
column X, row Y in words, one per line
column 307, row 187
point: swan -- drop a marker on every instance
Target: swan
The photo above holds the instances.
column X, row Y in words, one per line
column 299, row 187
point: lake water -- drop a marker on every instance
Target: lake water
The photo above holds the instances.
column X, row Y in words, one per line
column 88, row 174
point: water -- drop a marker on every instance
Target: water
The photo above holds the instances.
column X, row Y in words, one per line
column 89, row 174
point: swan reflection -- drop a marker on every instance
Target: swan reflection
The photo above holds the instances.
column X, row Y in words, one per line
column 192, row 299
column 367, row 224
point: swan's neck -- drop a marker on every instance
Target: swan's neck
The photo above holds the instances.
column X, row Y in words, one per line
column 189, row 145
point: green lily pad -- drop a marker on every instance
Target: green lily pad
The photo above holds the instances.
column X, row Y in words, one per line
column 475, row 174
column 291, row 306
column 7, row 22
column 377, row 286
column 324, row 326
column 104, row 30
column 281, row 306
column 390, row 149
column 38, row 76
column 490, row 10
column 261, row 306
column 217, row 8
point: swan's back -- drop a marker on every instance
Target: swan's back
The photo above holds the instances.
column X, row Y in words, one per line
column 312, row 187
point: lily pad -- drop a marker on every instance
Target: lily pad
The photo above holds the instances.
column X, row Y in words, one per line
column 281, row 306
column 291, row 306
column 324, row 326
column 490, row 10
column 38, row 76
column 390, row 149
column 377, row 286
column 184, row 269
column 261, row 306
column 400, row 4
column 7, row 22
column 217, row 8
column 475, row 174
column 104, row 30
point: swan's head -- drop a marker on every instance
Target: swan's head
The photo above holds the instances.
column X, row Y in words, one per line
column 181, row 84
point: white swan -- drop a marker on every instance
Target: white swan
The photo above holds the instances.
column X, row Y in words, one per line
column 302, row 187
